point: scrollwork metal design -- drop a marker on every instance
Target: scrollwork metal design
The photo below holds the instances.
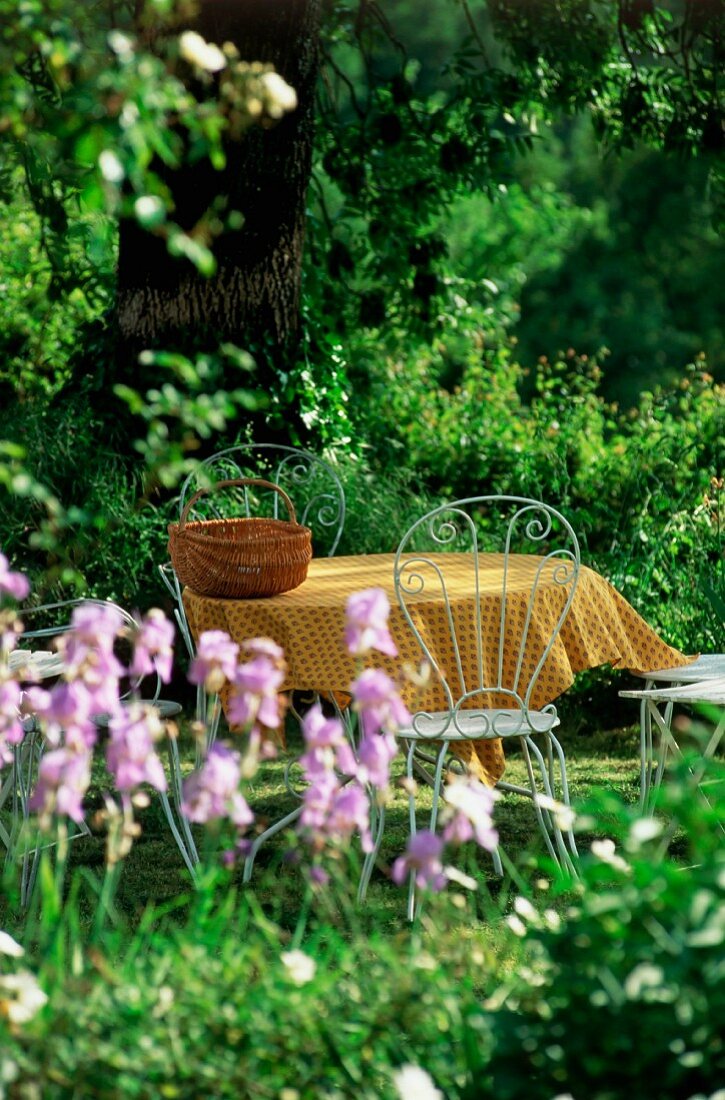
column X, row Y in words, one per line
column 314, row 486
column 449, row 525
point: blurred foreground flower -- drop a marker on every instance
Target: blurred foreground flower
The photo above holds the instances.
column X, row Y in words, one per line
column 12, row 584
column 11, row 729
column 212, row 793
column 9, row 946
column 130, row 753
column 153, row 649
column 605, row 851
column 279, row 96
column 423, row 859
column 332, row 810
column 256, row 683
column 367, row 623
column 468, row 813
column 413, row 1083
column 378, row 702
column 63, row 778
column 21, row 997
column 204, row 55
column 300, row 967
column 215, row 661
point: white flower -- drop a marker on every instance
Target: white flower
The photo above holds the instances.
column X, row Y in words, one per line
column 205, row 55
column 121, row 45
column 644, row 976
column 280, row 95
column 516, row 925
column 20, row 996
column 460, row 879
column 300, row 967
column 525, row 909
column 474, row 801
column 413, row 1083
column 149, row 209
column 644, row 829
column 604, row 850
column 8, row 946
column 111, row 167
column 563, row 815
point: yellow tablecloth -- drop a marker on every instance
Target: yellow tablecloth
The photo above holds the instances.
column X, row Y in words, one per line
column 600, row 628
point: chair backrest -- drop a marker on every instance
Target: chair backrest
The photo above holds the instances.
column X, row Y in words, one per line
column 313, row 486
column 56, row 619
column 500, row 567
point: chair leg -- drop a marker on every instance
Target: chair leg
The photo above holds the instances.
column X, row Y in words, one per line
column 371, row 857
column 645, row 755
column 554, row 741
column 669, row 744
column 412, row 824
column 180, row 831
column 559, row 854
column 666, row 743
column 259, row 841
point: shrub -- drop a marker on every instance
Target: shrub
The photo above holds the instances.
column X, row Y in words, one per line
column 642, row 488
column 623, row 995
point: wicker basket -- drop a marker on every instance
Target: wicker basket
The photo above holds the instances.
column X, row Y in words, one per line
column 243, row 557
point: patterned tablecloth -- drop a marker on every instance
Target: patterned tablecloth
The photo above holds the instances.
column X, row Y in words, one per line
column 600, row 628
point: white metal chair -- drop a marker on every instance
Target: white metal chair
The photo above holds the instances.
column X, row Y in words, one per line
column 56, row 619
column 319, row 498
column 657, row 705
column 707, row 667
column 487, row 705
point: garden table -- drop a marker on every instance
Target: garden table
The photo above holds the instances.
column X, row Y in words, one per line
column 600, row 628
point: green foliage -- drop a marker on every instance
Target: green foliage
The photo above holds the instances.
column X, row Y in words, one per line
column 588, row 252
column 649, row 68
column 43, row 315
column 193, row 407
column 90, row 516
column 540, row 995
column 413, row 280
column 642, row 488
column 416, row 113
column 637, row 956
column 78, row 522
column 96, row 118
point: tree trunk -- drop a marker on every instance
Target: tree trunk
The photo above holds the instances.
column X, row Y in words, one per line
column 253, row 299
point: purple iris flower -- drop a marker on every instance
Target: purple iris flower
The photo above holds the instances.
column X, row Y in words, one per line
column 154, row 646
column 212, row 793
column 367, row 623
column 422, row 859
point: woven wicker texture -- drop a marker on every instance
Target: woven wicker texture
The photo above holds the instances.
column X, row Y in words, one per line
column 601, row 628
column 240, row 557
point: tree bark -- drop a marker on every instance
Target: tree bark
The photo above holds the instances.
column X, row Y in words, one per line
column 253, row 298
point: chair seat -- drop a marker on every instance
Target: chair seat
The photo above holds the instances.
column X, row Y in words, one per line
column 708, row 666
column 482, row 724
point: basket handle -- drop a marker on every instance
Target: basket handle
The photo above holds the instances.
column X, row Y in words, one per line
column 238, row 481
